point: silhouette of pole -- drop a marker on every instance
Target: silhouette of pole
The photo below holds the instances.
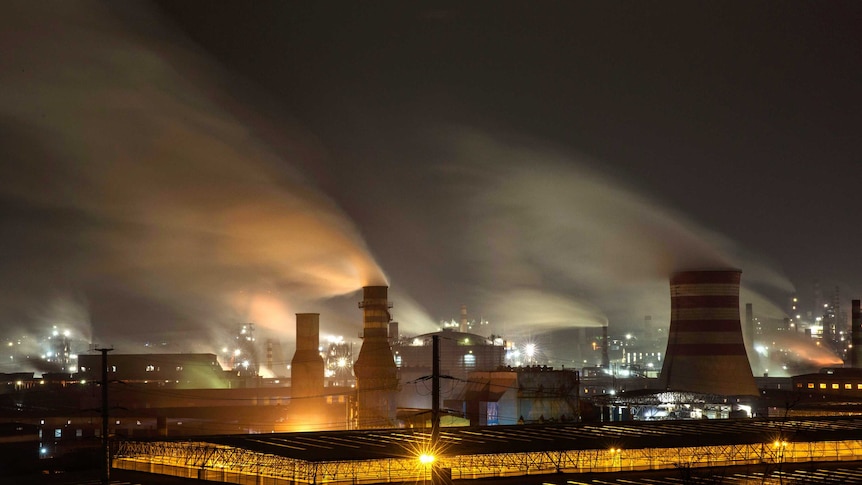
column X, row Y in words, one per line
column 435, row 407
column 435, row 391
column 106, row 449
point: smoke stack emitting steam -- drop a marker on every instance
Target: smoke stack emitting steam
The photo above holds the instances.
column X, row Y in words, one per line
column 186, row 204
column 376, row 380
column 705, row 349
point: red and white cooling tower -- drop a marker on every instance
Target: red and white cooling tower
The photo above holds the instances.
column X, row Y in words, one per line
column 705, row 348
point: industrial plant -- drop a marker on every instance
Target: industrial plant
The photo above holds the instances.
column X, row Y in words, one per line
column 657, row 381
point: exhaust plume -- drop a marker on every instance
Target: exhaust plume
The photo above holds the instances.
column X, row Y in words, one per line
column 133, row 174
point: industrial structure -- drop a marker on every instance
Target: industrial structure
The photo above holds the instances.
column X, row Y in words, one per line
column 376, row 374
column 562, row 450
column 183, row 371
column 705, row 348
column 306, row 367
column 856, row 335
column 838, row 381
column 461, row 353
column 520, row 396
column 705, row 374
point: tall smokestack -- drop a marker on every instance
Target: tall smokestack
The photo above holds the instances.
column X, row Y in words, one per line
column 307, row 368
column 394, row 335
column 269, row 361
column 705, row 348
column 463, row 318
column 856, row 336
column 749, row 323
column 606, row 360
column 375, row 371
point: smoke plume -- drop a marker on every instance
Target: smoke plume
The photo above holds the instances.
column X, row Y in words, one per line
column 132, row 174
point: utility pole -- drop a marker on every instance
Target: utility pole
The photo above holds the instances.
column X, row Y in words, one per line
column 435, row 391
column 435, row 407
column 106, row 448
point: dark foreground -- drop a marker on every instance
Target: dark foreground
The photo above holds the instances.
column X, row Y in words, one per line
column 787, row 474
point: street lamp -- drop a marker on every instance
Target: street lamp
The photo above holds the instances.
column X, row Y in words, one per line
column 426, row 460
column 616, row 457
column 530, row 350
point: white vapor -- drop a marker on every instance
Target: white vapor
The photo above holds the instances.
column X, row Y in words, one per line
column 152, row 193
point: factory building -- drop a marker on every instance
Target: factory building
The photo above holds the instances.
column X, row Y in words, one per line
column 186, row 371
column 461, row 354
column 521, row 395
column 834, row 381
column 541, row 453
column 841, row 382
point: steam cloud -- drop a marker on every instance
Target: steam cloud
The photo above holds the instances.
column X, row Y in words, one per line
column 135, row 177
column 130, row 176
column 555, row 243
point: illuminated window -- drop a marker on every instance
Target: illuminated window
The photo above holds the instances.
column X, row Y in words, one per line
column 58, row 433
column 848, row 386
column 810, row 385
column 799, row 385
column 859, row 386
column 151, row 368
column 834, row 386
column 822, row 385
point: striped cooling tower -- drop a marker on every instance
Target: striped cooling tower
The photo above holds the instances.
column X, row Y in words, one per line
column 705, row 348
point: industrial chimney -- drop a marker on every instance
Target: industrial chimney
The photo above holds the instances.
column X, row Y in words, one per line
column 749, row 323
column 375, row 371
column 606, row 360
column 856, row 336
column 705, row 348
column 463, row 318
column 307, row 368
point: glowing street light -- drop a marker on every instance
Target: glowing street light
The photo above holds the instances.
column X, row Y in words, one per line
column 426, row 460
column 530, row 351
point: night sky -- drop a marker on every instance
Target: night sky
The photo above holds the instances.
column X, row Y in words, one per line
column 170, row 170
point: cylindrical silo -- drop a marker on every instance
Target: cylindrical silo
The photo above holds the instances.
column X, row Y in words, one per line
column 705, row 349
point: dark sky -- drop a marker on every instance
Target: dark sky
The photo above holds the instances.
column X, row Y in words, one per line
column 181, row 166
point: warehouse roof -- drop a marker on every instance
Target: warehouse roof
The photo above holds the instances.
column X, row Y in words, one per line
column 395, row 443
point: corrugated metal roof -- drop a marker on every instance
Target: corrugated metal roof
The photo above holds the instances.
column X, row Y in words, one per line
column 394, row 443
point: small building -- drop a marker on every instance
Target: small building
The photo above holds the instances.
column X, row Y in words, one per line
column 184, row 371
column 835, row 381
column 461, row 354
column 520, row 395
